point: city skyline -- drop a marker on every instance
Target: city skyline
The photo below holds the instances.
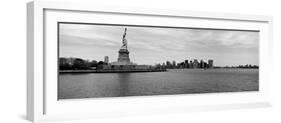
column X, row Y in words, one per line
column 150, row 45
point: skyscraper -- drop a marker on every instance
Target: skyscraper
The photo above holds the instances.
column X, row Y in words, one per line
column 201, row 63
column 186, row 65
column 191, row 64
column 106, row 59
column 168, row 64
column 195, row 63
column 210, row 63
column 205, row 65
column 174, row 64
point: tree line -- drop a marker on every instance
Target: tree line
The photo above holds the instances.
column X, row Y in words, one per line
column 78, row 64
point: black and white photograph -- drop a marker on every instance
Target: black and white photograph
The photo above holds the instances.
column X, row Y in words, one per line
column 111, row 60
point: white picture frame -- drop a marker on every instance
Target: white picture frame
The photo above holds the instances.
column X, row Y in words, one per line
column 41, row 104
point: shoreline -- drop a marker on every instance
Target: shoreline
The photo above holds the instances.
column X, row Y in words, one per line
column 111, row 71
column 136, row 71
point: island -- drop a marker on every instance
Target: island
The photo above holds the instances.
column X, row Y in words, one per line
column 123, row 63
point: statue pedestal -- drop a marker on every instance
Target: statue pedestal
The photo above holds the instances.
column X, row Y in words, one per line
column 123, row 56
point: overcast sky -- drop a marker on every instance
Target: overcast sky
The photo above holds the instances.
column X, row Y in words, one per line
column 150, row 45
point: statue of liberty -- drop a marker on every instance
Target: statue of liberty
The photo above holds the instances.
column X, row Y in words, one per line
column 124, row 40
column 123, row 57
column 123, row 53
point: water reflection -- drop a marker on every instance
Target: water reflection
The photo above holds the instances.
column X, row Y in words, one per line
column 123, row 79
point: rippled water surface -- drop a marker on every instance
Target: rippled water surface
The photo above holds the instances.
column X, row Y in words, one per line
column 90, row 85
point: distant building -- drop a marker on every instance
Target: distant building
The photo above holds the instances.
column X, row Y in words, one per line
column 106, row 59
column 205, row 65
column 191, row 64
column 174, row 64
column 163, row 64
column 195, row 63
column 181, row 65
column 168, row 63
column 202, row 64
column 186, row 65
column 210, row 63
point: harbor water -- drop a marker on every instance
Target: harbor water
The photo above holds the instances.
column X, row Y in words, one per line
column 175, row 81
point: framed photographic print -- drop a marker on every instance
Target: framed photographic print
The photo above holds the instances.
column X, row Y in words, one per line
column 96, row 61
